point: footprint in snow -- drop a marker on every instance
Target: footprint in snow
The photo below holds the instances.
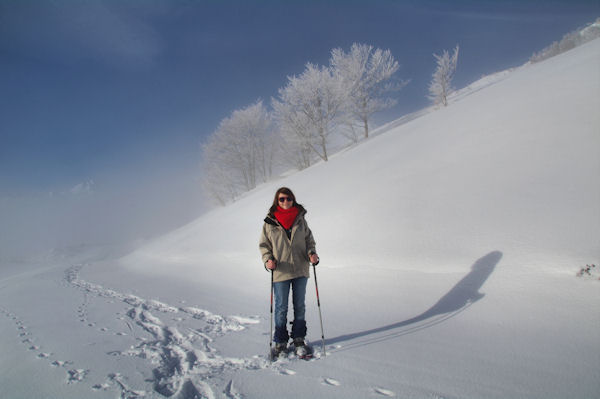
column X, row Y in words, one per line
column 230, row 391
column 60, row 363
column 101, row 387
column 384, row 392
column 332, row 382
column 119, row 381
column 73, row 375
column 287, row 372
column 76, row 375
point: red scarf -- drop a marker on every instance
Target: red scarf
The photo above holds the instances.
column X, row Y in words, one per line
column 286, row 216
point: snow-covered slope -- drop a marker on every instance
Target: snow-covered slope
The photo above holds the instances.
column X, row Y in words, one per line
column 506, row 177
column 513, row 167
column 449, row 248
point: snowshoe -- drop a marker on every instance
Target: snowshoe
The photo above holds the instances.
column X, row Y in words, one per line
column 280, row 350
column 302, row 350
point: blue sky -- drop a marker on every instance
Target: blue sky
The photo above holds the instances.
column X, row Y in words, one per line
column 123, row 92
column 96, row 86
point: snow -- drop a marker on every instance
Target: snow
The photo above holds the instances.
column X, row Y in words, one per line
column 449, row 247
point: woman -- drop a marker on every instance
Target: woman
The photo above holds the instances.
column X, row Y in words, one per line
column 287, row 247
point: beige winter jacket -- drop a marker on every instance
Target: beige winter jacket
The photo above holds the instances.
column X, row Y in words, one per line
column 292, row 254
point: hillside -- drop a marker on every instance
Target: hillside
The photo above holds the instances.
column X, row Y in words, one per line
column 449, row 247
column 506, row 177
column 510, row 166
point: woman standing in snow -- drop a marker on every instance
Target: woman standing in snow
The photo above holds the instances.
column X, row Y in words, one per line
column 287, row 247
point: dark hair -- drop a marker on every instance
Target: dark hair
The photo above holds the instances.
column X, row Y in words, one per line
column 289, row 193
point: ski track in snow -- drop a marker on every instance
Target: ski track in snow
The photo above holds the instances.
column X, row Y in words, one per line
column 183, row 362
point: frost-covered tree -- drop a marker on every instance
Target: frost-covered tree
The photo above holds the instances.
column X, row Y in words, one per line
column 297, row 148
column 569, row 41
column 367, row 76
column 219, row 183
column 441, row 82
column 308, row 109
column 239, row 154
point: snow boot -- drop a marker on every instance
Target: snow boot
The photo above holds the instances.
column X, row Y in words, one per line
column 300, row 347
column 279, row 350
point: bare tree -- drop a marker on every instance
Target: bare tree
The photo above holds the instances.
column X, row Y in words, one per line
column 309, row 107
column 239, row 154
column 367, row 76
column 441, row 82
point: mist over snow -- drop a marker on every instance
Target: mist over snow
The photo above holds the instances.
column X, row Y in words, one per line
column 118, row 209
column 449, row 247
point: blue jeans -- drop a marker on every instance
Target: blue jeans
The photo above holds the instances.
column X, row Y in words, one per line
column 282, row 293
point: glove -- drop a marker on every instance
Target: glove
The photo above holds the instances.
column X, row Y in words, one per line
column 271, row 264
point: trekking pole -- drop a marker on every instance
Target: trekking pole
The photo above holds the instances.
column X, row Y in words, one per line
column 319, row 306
column 271, row 333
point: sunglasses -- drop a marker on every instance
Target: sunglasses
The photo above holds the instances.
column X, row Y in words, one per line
column 283, row 199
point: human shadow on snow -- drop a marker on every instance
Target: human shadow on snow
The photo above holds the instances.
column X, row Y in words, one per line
column 459, row 298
